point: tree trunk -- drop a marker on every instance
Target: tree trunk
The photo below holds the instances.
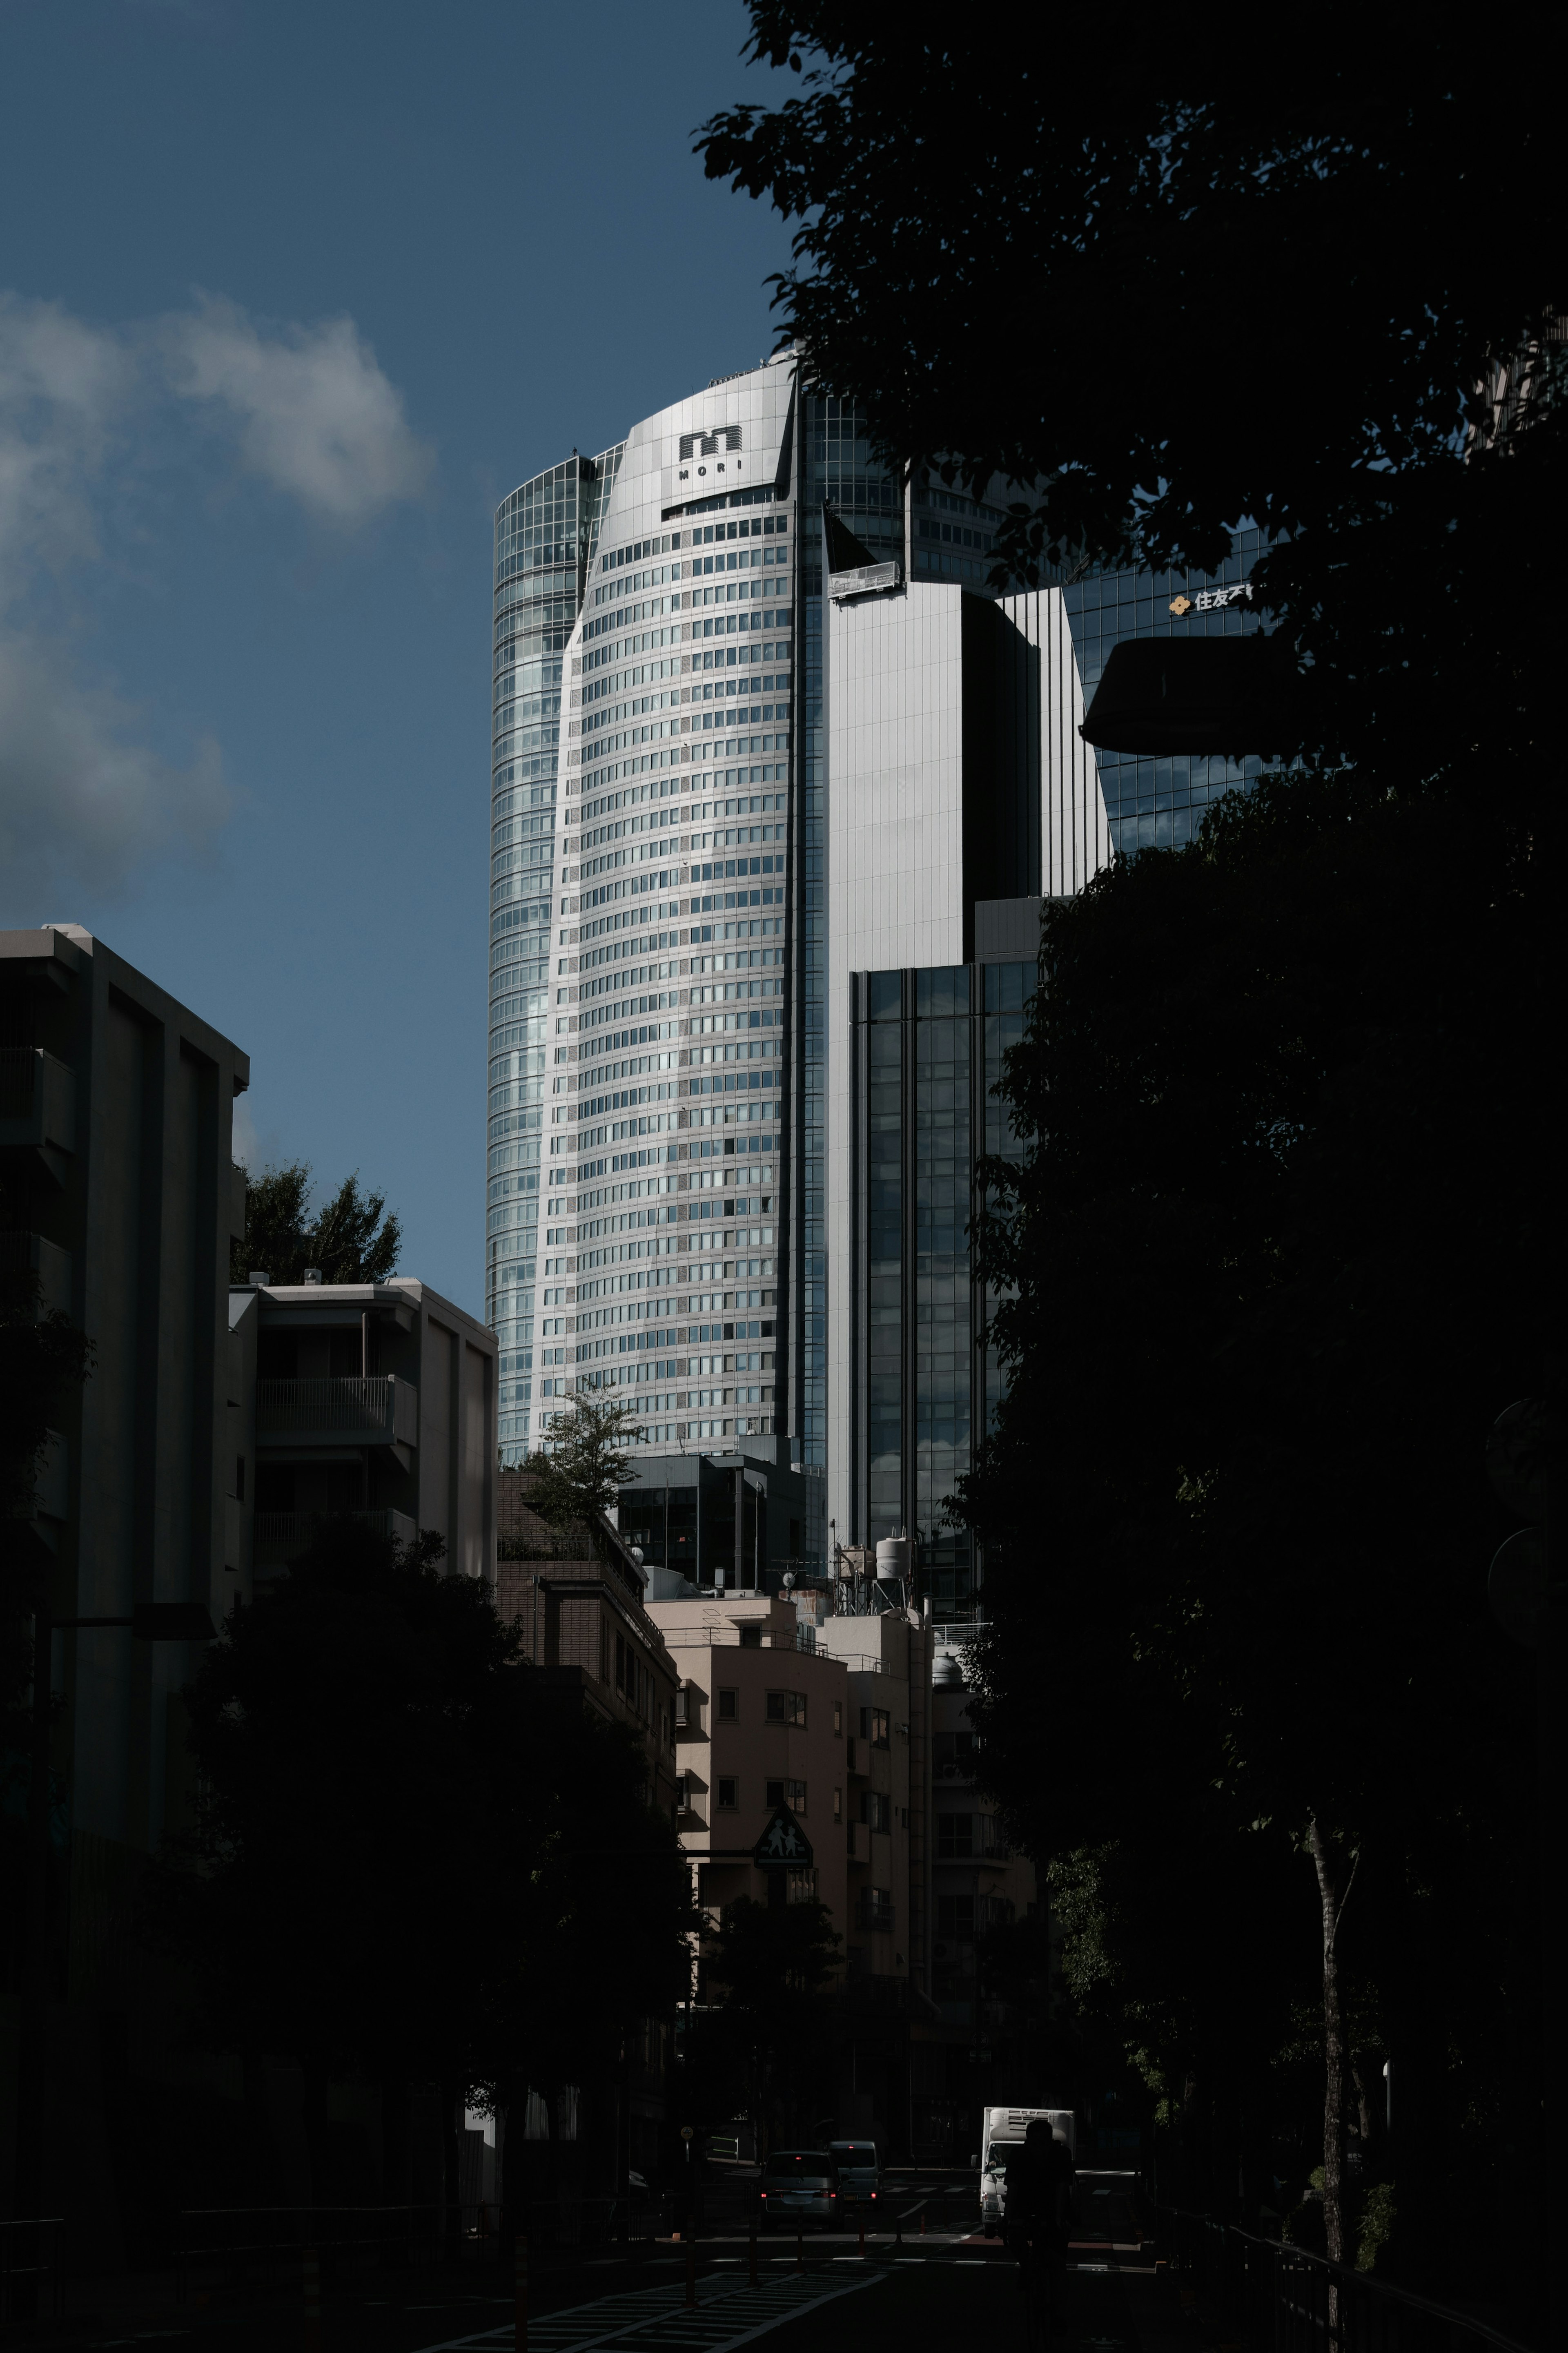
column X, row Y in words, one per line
column 1331, row 1898
column 451, row 2145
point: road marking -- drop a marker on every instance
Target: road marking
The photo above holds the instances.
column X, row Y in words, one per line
column 657, row 2320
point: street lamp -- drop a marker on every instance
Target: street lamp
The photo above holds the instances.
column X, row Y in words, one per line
column 150, row 1622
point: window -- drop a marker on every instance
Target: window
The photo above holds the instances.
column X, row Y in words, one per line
column 953, row 1756
column 785, row 1793
column 839, row 1719
column 876, row 1909
column 875, row 1726
column 876, row 1810
column 727, row 1708
column 789, row 1707
column 751, row 1636
column 683, row 1792
column 727, row 1788
column 838, row 1805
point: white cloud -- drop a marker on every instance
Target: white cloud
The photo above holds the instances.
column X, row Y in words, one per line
column 61, row 384
column 316, row 416
column 82, row 800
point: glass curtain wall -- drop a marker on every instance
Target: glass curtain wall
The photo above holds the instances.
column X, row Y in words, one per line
column 928, row 1049
column 835, row 465
column 1160, row 803
column 545, row 537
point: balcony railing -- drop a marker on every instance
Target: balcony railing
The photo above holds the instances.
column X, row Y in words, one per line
column 282, row 1536
column 25, row 1253
column 380, row 1412
column 37, row 1100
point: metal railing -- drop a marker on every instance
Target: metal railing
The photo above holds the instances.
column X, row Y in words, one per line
column 262, row 2248
column 32, row 2272
column 283, row 1535
column 1280, row 2298
column 381, row 1408
column 727, row 1637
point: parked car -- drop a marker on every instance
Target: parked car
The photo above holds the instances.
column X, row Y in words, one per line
column 799, row 2185
column 859, row 2175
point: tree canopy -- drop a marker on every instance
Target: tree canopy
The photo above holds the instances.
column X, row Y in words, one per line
column 351, row 1237
column 1279, row 1252
column 580, row 1479
column 1164, row 294
column 386, row 1790
column 760, row 2044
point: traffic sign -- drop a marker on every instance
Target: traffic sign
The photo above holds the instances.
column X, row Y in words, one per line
column 784, row 1840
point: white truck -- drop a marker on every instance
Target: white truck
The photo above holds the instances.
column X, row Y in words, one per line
column 1002, row 2133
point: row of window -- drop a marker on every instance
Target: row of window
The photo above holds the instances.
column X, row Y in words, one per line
column 702, row 535
column 876, row 1808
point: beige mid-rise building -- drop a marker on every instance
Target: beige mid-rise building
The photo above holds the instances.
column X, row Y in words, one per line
column 762, row 1721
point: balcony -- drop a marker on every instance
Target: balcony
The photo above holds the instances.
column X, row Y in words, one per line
column 282, row 1536
column 37, row 1106
column 23, row 1253
column 383, row 1412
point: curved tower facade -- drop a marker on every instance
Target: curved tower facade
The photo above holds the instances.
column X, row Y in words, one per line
column 543, row 545
column 657, row 1130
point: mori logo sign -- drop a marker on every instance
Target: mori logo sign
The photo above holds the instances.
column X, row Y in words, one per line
column 704, row 446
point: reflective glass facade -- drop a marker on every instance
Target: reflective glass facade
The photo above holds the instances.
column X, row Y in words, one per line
column 927, row 1052
column 545, row 537
column 836, row 465
column 1160, row 804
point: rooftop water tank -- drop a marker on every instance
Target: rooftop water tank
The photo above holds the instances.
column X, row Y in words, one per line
column 892, row 1560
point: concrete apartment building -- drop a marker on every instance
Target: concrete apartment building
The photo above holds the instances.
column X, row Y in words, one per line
column 120, row 1191
column 594, row 1644
column 216, row 1425
column 586, row 1626
column 376, row 1399
column 762, row 1721
column 832, row 1721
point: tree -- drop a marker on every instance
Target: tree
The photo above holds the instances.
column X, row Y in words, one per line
column 1290, row 299
column 771, row 1965
column 581, row 1477
column 401, row 1866
column 350, row 1238
column 1279, row 1252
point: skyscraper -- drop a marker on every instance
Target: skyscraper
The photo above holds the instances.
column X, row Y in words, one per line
column 961, row 795
column 543, row 543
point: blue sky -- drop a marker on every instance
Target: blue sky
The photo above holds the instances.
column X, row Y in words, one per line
column 290, row 296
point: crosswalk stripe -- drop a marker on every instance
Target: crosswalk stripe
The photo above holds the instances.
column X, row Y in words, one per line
column 657, row 2320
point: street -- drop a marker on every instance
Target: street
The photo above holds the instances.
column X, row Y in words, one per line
column 921, row 2289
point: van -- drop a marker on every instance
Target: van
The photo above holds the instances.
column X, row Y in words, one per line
column 859, row 2175
column 799, row 2185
